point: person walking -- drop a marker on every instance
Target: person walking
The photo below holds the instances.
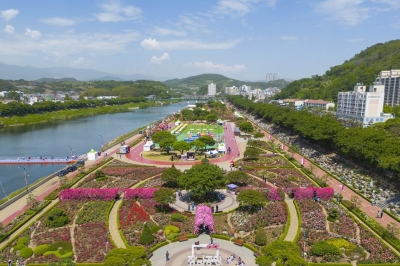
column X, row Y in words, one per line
column 378, row 215
column 211, row 240
column 381, row 214
column 9, row 262
column 188, row 207
column 216, row 208
column 166, row 256
column 192, row 206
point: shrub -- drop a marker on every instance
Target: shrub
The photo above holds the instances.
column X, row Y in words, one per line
column 57, row 218
column 61, row 246
column 128, row 256
column 23, row 241
column 115, row 261
column 322, row 248
column 40, row 250
column 261, row 237
column 100, row 175
column 171, row 229
column 177, row 217
column 26, row 252
column 146, row 237
column 342, row 243
column 172, row 236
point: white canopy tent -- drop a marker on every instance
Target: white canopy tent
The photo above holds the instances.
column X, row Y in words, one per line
column 148, row 146
column 92, row 155
column 222, row 147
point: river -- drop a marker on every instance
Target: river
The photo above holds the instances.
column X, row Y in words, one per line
column 53, row 139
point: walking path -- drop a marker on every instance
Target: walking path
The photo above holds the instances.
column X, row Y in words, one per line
column 294, row 221
column 347, row 193
column 113, row 225
column 179, row 252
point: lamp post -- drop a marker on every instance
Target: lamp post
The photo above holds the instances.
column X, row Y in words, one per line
column 102, row 141
column 107, row 241
column 3, row 190
column 26, row 181
column 304, row 243
column 71, row 150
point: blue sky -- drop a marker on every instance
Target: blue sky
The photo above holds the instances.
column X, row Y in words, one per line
column 242, row 39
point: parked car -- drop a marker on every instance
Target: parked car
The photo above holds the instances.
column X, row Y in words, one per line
column 80, row 162
column 63, row 172
column 72, row 168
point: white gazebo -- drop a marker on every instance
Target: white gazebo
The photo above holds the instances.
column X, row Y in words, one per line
column 205, row 259
column 92, row 155
column 222, row 147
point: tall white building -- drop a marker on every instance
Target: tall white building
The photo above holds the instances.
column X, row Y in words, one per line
column 232, row 90
column 275, row 76
column 365, row 107
column 391, row 81
column 212, row 90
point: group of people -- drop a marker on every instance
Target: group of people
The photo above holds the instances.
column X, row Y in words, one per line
column 17, row 262
column 231, row 259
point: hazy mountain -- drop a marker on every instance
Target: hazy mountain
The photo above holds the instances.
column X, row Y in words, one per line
column 49, row 80
column 14, row 72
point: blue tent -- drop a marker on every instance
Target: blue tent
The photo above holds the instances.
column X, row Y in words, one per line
column 231, row 186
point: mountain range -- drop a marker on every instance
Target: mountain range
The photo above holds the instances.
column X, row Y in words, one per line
column 14, row 72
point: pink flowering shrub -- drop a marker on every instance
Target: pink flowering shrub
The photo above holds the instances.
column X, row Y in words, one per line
column 325, row 193
column 143, row 193
column 203, row 215
column 105, row 194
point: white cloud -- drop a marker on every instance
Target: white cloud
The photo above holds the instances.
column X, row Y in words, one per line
column 392, row 3
column 356, row 40
column 115, row 11
column 211, row 67
column 165, row 31
column 153, row 44
column 240, row 7
column 57, row 21
column 9, row 29
column 9, row 14
column 34, row 34
column 78, row 62
column 159, row 60
column 289, row 38
column 349, row 12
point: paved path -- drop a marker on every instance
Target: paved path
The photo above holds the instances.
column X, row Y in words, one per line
column 179, row 251
column 229, row 203
column 113, row 225
column 294, row 221
column 366, row 206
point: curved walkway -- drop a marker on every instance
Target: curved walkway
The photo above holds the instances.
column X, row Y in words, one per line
column 113, row 225
column 294, row 221
column 179, row 252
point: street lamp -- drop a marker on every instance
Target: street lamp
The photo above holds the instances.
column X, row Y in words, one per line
column 26, row 181
column 71, row 151
column 304, row 243
column 3, row 190
column 102, row 141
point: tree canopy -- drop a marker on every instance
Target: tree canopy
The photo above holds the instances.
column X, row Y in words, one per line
column 202, row 178
column 181, row 146
column 246, row 126
column 170, row 176
column 207, row 140
column 164, row 196
column 134, row 255
column 238, row 177
column 251, row 198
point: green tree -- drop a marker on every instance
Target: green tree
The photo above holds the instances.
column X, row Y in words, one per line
column 258, row 135
column 164, row 196
column 261, row 237
column 207, row 140
column 211, row 118
column 166, row 144
column 238, row 177
column 197, row 145
column 57, row 217
column 202, row 178
column 170, row 176
column 251, row 198
column 162, row 135
column 251, row 153
column 283, row 250
column 134, row 255
column 13, row 95
column 181, row 146
column 246, row 127
column 146, row 237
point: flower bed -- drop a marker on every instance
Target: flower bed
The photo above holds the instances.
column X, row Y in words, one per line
column 311, row 215
column 264, row 161
column 93, row 212
column 272, row 233
column 284, row 178
column 154, row 182
column 106, row 194
column 221, row 224
column 90, row 243
column 344, row 227
column 149, row 205
column 51, row 236
column 378, row 252
column 143, row 193
column 308, row 193
column 162, row 219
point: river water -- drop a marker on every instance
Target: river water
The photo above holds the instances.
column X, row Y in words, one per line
column 52, row 139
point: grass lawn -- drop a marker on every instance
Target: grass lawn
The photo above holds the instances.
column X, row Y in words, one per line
column 194, row 129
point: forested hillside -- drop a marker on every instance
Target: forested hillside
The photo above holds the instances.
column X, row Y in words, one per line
column 363, row 67
column 201, row 82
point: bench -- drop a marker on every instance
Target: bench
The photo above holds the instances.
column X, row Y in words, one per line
column 150, row 255
column 183, row 238
column 257, row 254
column 238, row 242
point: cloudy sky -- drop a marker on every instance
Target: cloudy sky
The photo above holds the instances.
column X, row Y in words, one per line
column 243, row 39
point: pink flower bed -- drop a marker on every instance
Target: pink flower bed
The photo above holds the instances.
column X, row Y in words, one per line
column 308, row 193
column 49, row 237
column 311, row 215
column 90, row 242
column 378, row 252
column 203, row 215
column 105, row 194
column 133, row 172
column 345, row 228
column 143, row 193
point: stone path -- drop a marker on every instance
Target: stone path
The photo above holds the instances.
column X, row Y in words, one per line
column 179, row 251
column 294, row 221
column 113, row 225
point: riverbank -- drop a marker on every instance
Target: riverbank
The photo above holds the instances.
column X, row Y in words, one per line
column 72, row 114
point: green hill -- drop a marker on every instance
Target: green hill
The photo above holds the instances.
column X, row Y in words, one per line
column 50, row 80
column 200, row 82
column 363, row 67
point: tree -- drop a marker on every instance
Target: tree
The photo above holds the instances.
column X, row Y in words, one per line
column 355, row 201
column 238, row 177
column 13, row 95
column 202, row 178
column 181, row 146
column 57, row 218
column 251, row 153
column 197, row 144
column 164, row 196
column 161, row 135
column 207, row 140
column 167, row 143
column 246, row 127
column 258, row 135
column 170, row 176
column 134, row 255
column 261, row 237
column 211, row 117
column 252, row 198
column 146, row 237
column 284, row 250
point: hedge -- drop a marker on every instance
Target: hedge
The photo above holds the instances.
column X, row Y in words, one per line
column 159, row 245
column 333, row 264
column 221, row 237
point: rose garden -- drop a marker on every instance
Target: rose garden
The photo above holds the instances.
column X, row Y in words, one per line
column 76, row 228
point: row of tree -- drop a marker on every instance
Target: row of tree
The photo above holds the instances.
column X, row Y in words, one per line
column 374, row 146
column 17, row 108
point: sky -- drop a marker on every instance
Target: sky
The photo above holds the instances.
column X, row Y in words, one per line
column 241, row 39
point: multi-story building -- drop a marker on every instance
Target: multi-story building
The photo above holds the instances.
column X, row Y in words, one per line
column 362, row 106
column 232, row 90
column 212, row 90
column 275, row 76
column 391, row 81
column 319, row 104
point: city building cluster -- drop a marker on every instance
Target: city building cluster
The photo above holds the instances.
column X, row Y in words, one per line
column 271, row 76
column 257, row 94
